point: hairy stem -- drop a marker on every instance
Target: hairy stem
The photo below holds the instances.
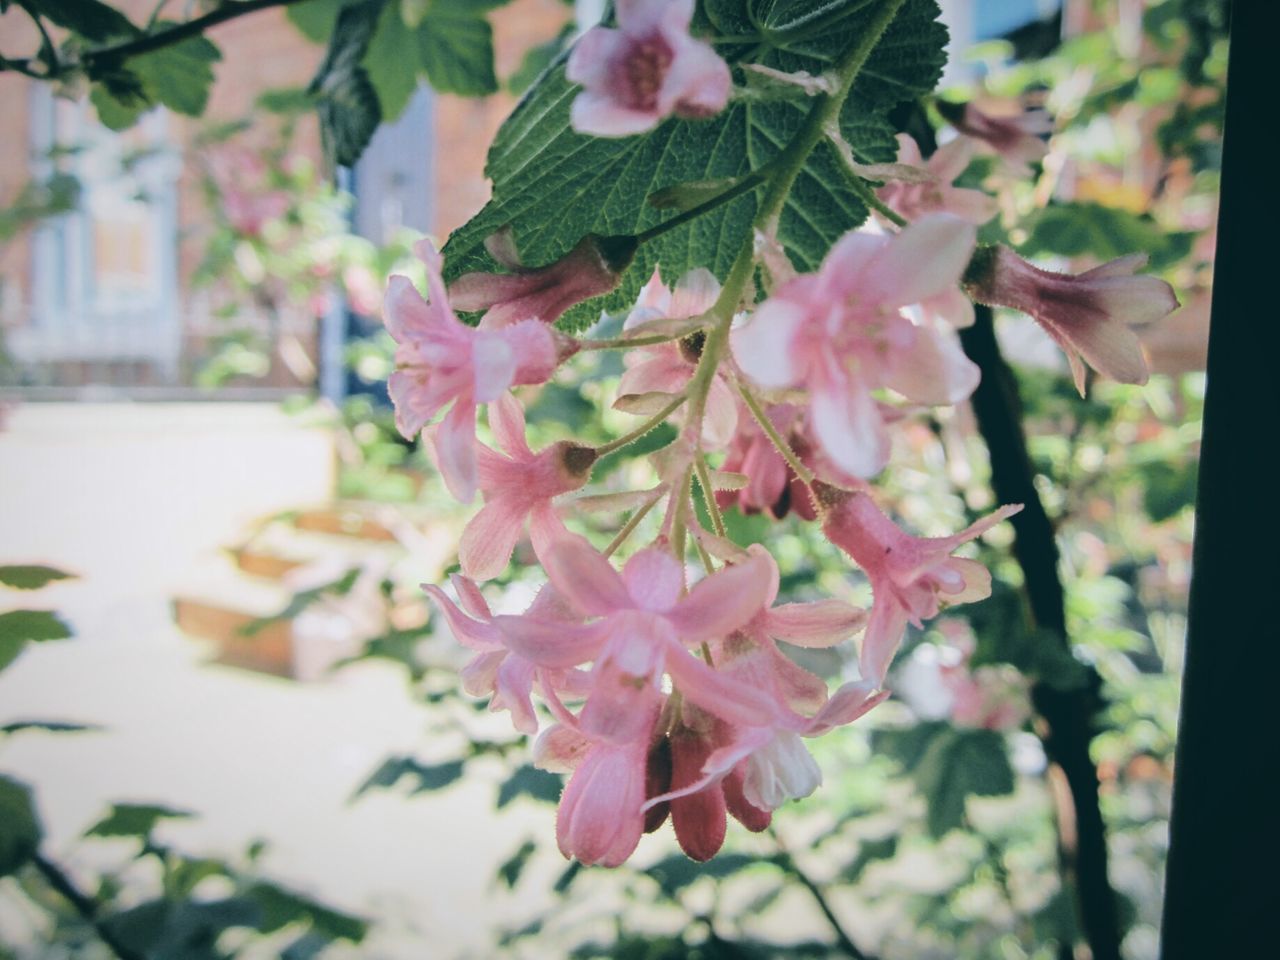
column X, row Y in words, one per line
column 640, row 431
column 629, row 527
column 770, row 431
column 709, row 494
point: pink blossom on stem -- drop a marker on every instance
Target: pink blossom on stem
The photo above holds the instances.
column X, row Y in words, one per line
column 516, row 487
column 1088, row 314
column 496, row 671
column 668, row 367
column 841, row 334
column 643, row 629
column 440, row 361
column 911, row 577
column 1018, row 139
column 937, row 682
column 590, row 269
column 772, row 486
column 935, row 194
column 644, row 71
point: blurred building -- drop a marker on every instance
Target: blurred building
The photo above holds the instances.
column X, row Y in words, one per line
column 100, row 298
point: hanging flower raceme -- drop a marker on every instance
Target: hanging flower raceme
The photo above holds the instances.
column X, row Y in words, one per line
column 442, row 361
column 911, row 577
column 772, row 486
column 590, row 269
column 840, row 334
column 1088, row 314
column 644, row 71
column 934, row 193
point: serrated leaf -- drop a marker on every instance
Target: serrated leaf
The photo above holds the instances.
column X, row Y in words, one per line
column 1076, row 228
column 532, row 782
column 178, row 76
column 315, row 18
column 19, row 827
column 31, row 576
column 553, row 186
column 134, row 820
column 346, row 101
column 455, row 48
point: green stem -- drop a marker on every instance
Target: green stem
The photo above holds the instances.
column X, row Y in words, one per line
column 770, row 431
column 84, row 906
column 625, row 343
column 629, row 527
column 866, row 194
column 745, row 185
column 709, row 494
column 640, row 431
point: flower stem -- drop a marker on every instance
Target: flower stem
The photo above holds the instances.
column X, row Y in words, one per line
column 709, row 494
column 629, row 527
column 770, row 431
column 628, row 438
column 625, row 343
column 745, row 185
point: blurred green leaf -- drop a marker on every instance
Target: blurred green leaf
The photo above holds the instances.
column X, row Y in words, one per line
column 428, row 777
column 346, row 101
column 134, row 820
column 677, row 871
column 455, row 48
column 31, row 576
column 90, row 19
column 511, row 868
column 49, row 726
column 20, row 831
column 532, row 782
column 281, row 907
column 304, row 599
column 20, row 627
column 957, row 765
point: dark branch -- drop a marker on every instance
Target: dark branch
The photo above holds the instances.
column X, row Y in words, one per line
column 84, row 906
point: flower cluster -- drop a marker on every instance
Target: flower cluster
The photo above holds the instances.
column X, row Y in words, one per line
column 666, row 694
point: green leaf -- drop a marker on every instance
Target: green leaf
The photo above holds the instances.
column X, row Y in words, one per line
column 346, row 100
column 181, row 930
column 31, row 577
column 48, row 726
column 957, row 765
column 19, row 827
column 429, row 777
column 530, row 781
column 554, row 186
column 117, row 111
column 537, row 59
column 676, row 872
column 134, row 820
column 1072, row 229
column 20, row 627
column 281, row 907
column 178, row 76
column 391, row 62
column 315, row 18
column 455, row 47
column 91, row 19
column 511, row 868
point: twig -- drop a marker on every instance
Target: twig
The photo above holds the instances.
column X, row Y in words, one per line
column 788, row 864
column 84, row 906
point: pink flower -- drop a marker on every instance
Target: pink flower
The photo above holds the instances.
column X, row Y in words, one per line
column 600, row 818
column 590, row 269
column 1017, row 139
column 364, row 293
column 1087, row 314
column 772, row 485
column 841, row 334
column 517, row 487
column 644, row 71
column 911, row 577
column 912, row 200
column 440, row 360
column 937, row 682
column 248, row 203
column 643, row 629
column 495, row 671
column 667, row 367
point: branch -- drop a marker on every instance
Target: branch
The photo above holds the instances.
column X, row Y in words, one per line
column 119, row 53
column 788, row 865
column 1068, row 714
column 84, row 906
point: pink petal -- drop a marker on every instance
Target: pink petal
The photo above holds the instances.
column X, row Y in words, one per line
column 511, row 692
column 534, row 347
column 620, row 707
column 599, row 820
column 589, row 63
column 654, row 580
column 822, row 623
column 721, row 602
column 698, row 82
column 695, row 293
column 718, row 693
column 763, row 345
column 506, row 421
column 847, row 424
column 559, row 748
column 885, row 628
column 721, row 420
column 546, row 529
column 851, row 701
column 935, row 370
column 550, row 643
column 494, row 363
column 698, row 818
column 586, row 579
column 921, row 262
column 474, row 633
column 491, row 536
column 455, row 446
column 598, row 115
column 471, row 598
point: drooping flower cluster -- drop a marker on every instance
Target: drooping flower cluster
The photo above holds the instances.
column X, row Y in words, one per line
column 669, row 695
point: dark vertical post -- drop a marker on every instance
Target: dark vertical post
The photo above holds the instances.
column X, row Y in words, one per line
column 1222, row 897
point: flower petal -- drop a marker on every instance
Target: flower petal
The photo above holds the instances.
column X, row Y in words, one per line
column 721, row 602
column 491, row 536
column 586, row 579
column 921, row 262
column 822, row 623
